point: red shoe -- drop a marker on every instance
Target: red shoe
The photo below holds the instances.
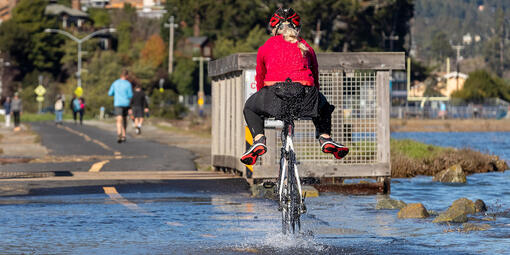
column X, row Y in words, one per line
column 330, row 146
column 257, row 149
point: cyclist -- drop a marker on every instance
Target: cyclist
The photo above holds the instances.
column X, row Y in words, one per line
column 287, row 79
column 122, row 93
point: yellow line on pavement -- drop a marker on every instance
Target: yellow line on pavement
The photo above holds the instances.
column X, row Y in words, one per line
column 88, row 139
column 115, row 196
column 97, row 166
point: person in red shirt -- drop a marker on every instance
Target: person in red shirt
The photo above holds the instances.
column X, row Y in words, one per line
column 287, row 86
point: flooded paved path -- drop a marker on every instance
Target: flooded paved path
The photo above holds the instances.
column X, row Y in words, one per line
column 186, row 218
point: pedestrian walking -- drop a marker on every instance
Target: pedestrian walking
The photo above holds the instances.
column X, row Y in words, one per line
column 139, row 107
column 122, row 93
column 74, row 108
column 7, row 109
column 78, row 107
column 16, row 110
column 82, row 109
column 59, row 110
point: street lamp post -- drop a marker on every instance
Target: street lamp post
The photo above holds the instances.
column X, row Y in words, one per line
column 79, row 42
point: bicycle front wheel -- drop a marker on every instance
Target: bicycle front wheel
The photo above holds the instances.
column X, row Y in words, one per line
column 291, row 213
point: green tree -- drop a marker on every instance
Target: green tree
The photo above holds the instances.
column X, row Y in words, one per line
column 100, row 17
column 185, row 76
column 440, row 47
column 494, row 48
column 482, row 85
column 103, row 69
column 23, row 38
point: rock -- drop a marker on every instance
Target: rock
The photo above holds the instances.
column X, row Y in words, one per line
column 433, row 213
column 457, row 212
column 498, row 164
column 466, row 227
column 454, row 174
column 259, row 191
column 451, row 216
column 480, row 206
column 390, row 204
column 465, row 205
column 488, row 218
column 413, row 211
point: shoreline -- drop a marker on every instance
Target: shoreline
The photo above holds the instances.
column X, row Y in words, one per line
column 449, row 125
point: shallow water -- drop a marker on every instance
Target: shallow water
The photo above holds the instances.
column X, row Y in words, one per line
column 144, row 222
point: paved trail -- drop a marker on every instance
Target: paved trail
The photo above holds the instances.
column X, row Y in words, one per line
column 87, row 148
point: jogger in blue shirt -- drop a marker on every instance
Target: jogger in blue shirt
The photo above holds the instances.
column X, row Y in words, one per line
column 122, row 93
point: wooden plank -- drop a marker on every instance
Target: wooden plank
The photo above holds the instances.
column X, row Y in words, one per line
column 226, row 161
column 228, row 116
column 383, row 116
column 327, row 170
column 239, row 102
column 328, row 60
column 215, row 117
column 222, row 131
column 362, row 60
column 273, row 151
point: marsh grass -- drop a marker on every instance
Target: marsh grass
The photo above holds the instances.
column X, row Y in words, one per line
column 410, row 158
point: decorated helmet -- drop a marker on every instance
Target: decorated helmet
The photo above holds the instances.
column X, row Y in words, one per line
column 284, row 15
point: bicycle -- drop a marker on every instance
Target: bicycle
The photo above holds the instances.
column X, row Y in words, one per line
column 291, row 200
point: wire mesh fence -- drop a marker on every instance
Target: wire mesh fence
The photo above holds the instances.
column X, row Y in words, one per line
column 354, row 121
column 356, row 83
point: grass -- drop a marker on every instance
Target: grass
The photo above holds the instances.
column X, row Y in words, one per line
column 35, row 117
column 416, row 150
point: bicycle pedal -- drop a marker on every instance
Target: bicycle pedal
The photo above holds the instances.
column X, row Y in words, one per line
column 303, row 209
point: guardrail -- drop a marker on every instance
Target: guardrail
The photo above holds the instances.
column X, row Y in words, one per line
column 356, row 83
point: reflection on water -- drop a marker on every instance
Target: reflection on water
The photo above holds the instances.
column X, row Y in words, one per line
column 206, row 223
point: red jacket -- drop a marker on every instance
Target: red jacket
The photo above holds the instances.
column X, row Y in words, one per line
column 278, row 60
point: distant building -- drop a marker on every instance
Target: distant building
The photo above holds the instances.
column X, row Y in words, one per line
column 6, row 7
column 454, row 81
column 195, row 45
column 467, row 39
column 145, row 8
column 85, row 4
column 398, row 87
column 68, row 16
column 448, row 84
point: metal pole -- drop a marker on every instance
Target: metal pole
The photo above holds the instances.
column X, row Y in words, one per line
column 78, row 73
column 408, row 85
column 1, row 75
column 171, row 48
column 201, row 82
column 171, row 27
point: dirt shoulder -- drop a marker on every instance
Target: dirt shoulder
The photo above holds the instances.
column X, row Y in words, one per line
column 23, row 144
column 452, row 125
